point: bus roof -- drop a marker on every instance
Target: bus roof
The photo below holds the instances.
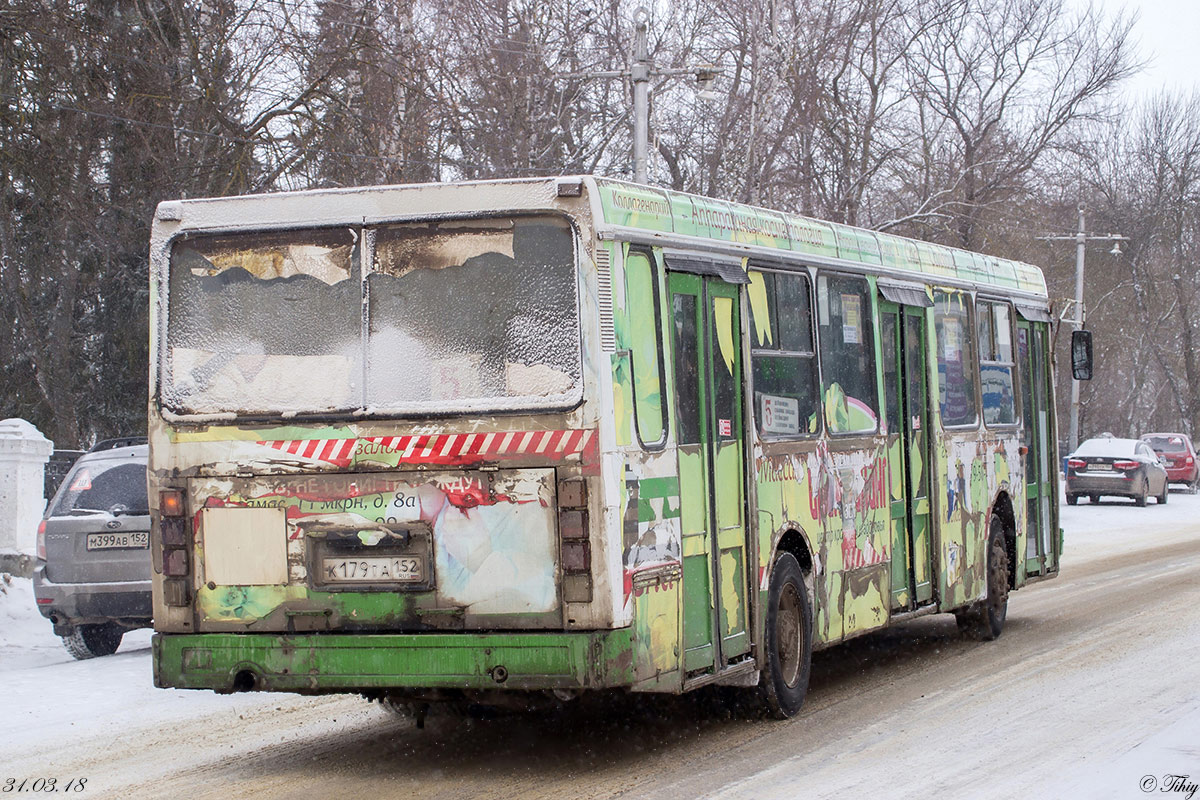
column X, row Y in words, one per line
column 629, row 206
column 625, row 210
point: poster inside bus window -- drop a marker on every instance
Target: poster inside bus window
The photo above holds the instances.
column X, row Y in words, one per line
column 851, row 319
column 779, row 414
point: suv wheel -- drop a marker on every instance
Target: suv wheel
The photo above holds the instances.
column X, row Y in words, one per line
column 90, row 641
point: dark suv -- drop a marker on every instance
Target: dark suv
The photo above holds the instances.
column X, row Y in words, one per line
column 92, row 578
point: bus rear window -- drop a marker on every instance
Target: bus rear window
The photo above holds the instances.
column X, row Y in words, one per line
column 454, row 315
column 254, row 318
column 467, row 315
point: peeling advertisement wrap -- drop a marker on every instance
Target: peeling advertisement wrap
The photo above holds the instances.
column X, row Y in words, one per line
column 491, row 534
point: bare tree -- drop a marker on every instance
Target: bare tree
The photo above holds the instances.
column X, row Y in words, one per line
column 1000, row 83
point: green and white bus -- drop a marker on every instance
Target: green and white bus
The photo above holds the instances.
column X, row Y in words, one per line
column 505, row 442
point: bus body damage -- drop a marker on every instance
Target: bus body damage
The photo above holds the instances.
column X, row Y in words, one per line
column 379, row 551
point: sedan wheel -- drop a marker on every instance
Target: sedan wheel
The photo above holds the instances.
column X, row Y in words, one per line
column 1162, row 498
column 1140, row 499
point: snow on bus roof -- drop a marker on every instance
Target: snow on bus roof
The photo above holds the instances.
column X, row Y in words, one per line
column 649, row 208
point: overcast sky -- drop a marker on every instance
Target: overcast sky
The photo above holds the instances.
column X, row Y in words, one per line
column 1168, row 32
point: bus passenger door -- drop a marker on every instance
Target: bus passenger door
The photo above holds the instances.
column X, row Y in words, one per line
column 706, row 337
column 1040, row 474
column 905, row 375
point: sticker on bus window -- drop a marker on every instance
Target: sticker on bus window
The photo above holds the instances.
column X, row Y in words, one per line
column 951, row 346
column 724, row 427
column 780, row 414
column 851, row 319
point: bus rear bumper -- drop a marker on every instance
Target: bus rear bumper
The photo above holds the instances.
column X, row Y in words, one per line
column 326, row 662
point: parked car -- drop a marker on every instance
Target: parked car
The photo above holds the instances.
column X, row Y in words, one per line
column 92, row 578
column 1176, row 450
column 1108, row 466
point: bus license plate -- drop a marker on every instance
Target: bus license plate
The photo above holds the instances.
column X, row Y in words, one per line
column 389, row 569
column 128, row 540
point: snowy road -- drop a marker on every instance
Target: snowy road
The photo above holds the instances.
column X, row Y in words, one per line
column 1094, row 685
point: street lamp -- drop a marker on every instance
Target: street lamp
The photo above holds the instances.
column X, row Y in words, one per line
column 1081, row 238
column 640, row 72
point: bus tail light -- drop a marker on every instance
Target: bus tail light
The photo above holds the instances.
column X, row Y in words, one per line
column 576, row 549
column 41, row 540
column 1076, row 463
column 170, row 503
column 175, row 563
column 175, row 534
column 1126, row 465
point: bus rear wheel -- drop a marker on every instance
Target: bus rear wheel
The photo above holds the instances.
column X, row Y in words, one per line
column 788, row 640
column 985, row 620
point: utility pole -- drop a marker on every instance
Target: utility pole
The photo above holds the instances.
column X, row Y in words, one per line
column 639, row 75
column 641, row 71
column 1081, row 238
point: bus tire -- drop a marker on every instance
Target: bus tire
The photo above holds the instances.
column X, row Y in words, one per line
column 984, row 620
column 787, row 640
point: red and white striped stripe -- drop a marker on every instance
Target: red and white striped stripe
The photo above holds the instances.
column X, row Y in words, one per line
column 455, row 446
column 333, row 451
column 445, row 448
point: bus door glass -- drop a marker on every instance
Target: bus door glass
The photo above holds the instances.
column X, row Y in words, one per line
column 1039, row 472
column 708, row 410
column 903, row 332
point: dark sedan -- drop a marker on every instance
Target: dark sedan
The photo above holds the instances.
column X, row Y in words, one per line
column 1108, row 466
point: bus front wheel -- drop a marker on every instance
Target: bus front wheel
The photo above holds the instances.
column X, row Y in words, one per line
column 788, row 640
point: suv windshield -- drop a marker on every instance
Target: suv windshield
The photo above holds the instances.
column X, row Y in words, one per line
column 116, row 487
column 1167, row 444
column 454, row 315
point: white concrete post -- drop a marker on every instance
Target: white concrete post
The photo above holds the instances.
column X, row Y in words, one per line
column 23, row 456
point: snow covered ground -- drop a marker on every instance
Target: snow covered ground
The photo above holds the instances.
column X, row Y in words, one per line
column 50, row 698
column 58, row 711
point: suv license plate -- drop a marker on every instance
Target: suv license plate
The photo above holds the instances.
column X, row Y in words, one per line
column 389, row 569
column 125, row 540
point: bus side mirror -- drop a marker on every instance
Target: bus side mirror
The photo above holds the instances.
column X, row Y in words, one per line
column 1081, row 355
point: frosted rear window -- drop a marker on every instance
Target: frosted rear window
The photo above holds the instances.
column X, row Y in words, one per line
column 473, row 315
column 455, row 315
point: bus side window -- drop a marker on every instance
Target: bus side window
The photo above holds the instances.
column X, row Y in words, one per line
column 955, row 358
column 847, row 356
column 996, row 363
column 641, row 308
column 781, row 349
